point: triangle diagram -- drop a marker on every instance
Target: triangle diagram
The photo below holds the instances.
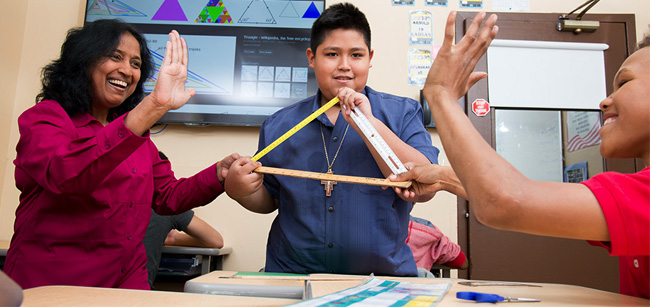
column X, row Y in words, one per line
column 257, row 12
column 170, row 10
column 289, row 11
column 214, row 12
column 312, row 12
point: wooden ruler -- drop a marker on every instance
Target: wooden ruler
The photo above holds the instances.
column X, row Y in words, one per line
column 332, row 177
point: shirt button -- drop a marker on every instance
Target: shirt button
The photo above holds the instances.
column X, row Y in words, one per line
column 107, row 146
column 335, row 139
column 330, row 245
column 120, row 133
column 636, row 263
column 128, row 237
column 330, row 209
column 133, row 170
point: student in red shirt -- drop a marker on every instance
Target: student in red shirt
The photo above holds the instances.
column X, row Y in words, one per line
column 85, row 165
column 610, row 209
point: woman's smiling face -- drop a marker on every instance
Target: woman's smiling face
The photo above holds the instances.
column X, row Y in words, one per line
column 115, row 77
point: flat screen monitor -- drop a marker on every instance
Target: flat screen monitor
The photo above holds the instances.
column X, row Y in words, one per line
column 247, row 58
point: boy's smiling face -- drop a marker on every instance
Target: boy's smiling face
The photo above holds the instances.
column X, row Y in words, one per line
column 626, row 112
column 342, row 60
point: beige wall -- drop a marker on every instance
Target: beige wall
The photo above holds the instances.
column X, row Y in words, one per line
column 33, row 31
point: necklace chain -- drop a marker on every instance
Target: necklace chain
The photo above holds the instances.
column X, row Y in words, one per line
column 329, row 165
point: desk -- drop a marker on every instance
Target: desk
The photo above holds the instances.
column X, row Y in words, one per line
column 87, row 296
column 550, row 294
column 210, row 259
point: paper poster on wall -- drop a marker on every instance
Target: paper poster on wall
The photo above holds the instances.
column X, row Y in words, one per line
column 403, row 2
column 576, row 173
column 421, row 32
column 471, row 3
column 511, row 5
column 436, row 2
column 419, row 63
column 582, row 129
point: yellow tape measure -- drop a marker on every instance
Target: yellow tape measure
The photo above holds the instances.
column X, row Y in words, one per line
column 295, row 129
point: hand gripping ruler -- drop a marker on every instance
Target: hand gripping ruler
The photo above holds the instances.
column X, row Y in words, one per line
column 377, row 142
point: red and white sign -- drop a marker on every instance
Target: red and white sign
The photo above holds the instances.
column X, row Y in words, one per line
column 480, row 107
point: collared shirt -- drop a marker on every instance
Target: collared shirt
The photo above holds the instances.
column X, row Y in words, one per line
column 625, row 200
column 359, row 229
column 86, row 198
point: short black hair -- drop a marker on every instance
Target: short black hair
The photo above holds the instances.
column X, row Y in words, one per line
column 339, row 16
column 67, row 79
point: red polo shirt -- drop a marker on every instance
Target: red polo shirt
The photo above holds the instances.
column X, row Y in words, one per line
column 625, row 200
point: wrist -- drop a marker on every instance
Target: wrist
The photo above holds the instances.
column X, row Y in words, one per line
column 222, row 180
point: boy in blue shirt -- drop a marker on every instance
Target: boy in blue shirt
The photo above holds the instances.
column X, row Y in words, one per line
column 331, row 227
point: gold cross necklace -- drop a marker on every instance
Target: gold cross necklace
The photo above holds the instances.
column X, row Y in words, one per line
column 329, row 184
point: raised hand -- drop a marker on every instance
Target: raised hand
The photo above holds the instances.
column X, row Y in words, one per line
column 169, row 91
column 452, row 71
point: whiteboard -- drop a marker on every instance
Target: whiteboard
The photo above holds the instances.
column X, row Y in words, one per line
column 531, row 140
column 553, row 75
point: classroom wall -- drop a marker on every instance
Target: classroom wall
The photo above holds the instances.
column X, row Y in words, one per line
column 35, row 29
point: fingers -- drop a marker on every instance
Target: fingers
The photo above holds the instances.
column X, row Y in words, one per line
column 473, row 78
column 470, row 35
column 168, row 54
column 184, row 59
column 449, row 30
column 345, row 97
column 485, row 37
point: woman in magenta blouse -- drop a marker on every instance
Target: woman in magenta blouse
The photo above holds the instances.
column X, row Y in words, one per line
column 86, row 168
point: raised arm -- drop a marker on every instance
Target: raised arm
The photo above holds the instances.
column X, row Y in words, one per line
column 500, row 196
column 351, row 99
column 169, row 93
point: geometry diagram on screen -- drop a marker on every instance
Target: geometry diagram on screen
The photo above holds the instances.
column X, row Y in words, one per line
column 289, row 11
column 312, row 12
column 170, row 10
column 282, row 74
column 214, row 12
column 266, row 73
column 257, row 12
column 112, row 8
column 299, row 74
column 198, row 83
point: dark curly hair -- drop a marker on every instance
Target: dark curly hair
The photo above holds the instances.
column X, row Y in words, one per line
column 67, row 79
column 339, row 16
column 645, row 42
